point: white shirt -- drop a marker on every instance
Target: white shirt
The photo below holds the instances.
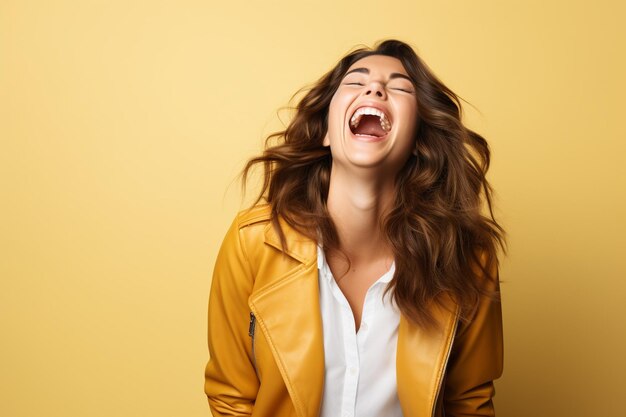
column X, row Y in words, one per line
column 360, row 367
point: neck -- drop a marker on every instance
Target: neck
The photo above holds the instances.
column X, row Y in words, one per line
column 357, row 204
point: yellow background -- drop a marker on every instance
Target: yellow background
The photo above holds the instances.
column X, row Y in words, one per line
column 123, row 125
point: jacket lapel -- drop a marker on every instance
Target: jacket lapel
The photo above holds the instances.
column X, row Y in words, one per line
column 421, row 360
column 288, row 314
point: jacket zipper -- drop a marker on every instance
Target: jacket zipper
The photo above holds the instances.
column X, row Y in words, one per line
column 445, row 365
column 251, row 329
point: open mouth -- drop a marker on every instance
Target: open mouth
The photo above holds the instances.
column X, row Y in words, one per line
column 369, row 121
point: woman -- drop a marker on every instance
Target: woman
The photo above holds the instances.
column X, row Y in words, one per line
column 366, row 284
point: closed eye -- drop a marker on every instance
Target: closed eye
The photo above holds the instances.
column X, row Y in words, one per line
column 398, row 89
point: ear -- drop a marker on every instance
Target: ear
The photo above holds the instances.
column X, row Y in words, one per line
column 326, row 141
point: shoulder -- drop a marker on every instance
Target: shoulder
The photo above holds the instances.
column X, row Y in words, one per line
column 250, row 225
column 486, row 268
column 247, row 233
column 242, row 247
column 247, row 227
column 260, row 213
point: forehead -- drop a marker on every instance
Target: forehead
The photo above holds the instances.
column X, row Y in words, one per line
column 380, row 64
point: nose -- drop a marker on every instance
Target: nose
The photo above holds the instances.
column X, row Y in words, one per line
column 376, row 89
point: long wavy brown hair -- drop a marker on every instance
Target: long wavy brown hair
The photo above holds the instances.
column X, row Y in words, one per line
column 438, row 229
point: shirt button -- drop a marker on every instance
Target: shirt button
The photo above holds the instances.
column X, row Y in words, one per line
column 364, row 326
column 352, row 371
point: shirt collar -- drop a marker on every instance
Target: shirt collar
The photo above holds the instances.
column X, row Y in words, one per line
column 387, row 276
column 322, row 265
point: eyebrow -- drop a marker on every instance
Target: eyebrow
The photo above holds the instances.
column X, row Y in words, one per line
column 391, row 77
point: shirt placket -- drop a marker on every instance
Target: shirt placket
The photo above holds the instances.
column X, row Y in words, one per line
column 350, row 348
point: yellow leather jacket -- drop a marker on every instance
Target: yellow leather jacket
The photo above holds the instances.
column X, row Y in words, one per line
column 266, row 343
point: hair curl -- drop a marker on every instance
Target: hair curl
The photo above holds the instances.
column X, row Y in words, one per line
column 436, row 228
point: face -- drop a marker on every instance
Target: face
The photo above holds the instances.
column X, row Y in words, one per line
column 372, row 118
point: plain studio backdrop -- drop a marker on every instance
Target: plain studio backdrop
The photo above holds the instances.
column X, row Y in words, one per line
column 123, row 126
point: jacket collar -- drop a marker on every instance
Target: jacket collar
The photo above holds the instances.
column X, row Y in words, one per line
column 288, row 312
column 299, row 246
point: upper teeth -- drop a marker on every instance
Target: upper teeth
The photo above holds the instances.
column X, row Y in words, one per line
column 356, row 118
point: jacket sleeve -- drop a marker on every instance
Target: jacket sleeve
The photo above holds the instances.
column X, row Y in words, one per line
column 476, row 359
column 231, row 382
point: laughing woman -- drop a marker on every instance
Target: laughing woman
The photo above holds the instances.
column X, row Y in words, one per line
column 364, row 281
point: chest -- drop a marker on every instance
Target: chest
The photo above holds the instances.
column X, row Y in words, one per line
column 355, row 281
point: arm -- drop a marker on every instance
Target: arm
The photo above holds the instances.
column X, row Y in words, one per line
column 476, row 359
column 231, row 383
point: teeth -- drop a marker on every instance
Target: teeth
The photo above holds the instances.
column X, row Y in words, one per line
column 356, row 118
